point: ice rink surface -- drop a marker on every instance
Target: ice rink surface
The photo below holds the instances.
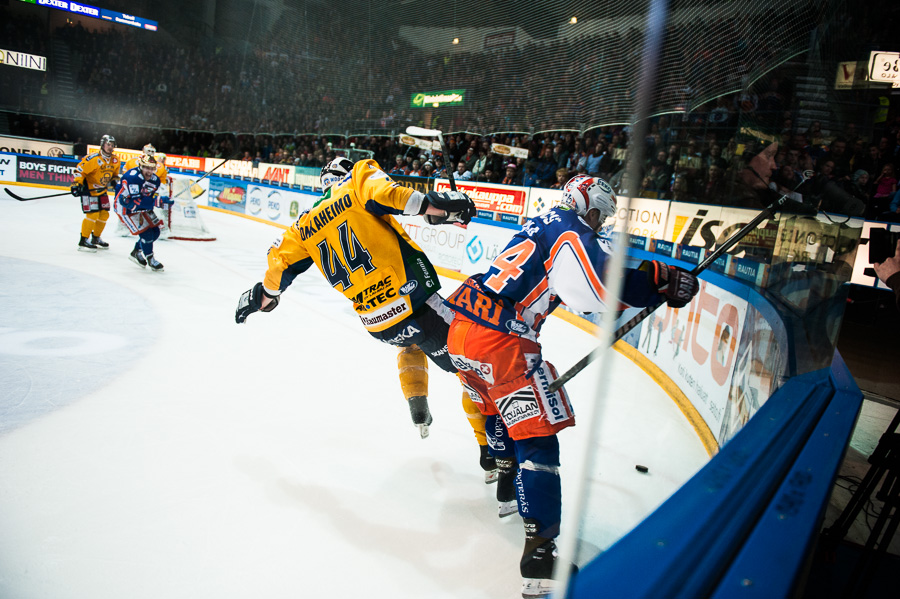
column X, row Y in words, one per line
column 151, row 448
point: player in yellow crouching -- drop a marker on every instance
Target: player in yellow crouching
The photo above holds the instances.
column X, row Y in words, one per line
column 93, row 175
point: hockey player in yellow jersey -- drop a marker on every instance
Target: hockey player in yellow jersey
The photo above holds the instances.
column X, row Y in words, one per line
column 351, row 236
column 164, row 201
column 93, row 175
column 147, row 150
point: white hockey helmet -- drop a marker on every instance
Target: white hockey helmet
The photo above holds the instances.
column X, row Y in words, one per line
column 107, row 139
column 160, row 158
column 334, row 171
column 149, row 150
column 584, row 192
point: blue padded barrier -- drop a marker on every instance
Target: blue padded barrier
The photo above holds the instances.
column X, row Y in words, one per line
column 686, row 546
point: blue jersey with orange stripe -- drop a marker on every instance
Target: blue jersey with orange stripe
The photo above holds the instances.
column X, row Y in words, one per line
column 555, row 257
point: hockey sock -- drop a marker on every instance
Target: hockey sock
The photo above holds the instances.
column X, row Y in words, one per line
column 476, row 418
column 538, row 484
column 87, row 225
column 412, row 368
column 100, row 223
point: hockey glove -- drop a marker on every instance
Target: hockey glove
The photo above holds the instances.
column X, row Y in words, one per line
column 251, row 301
column 421, row 416
column 78, row 190
column 457, row 205
column 678, row 285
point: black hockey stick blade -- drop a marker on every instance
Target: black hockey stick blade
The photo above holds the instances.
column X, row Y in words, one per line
column 767, row 212
column 21, row 199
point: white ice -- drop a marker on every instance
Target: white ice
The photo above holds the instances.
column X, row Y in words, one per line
column 151, row 448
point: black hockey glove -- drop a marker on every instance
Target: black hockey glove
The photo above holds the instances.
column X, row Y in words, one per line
column 421, row 416
column 251, row 301
column 78, row 189
column 678, row 285
column 459, row 208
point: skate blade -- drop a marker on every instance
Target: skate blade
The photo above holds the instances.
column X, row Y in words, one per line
column 136, row 262
column 88, row 250
column 507, row 508
column 536, row 588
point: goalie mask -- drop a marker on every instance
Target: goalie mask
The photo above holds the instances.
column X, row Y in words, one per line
column 583, row 193
column 334, row 171
column 149, row 150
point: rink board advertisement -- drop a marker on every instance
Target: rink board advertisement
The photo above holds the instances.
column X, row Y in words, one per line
column 484, row 242
column 696, row 346
column 39, row 170
column 228, row 194
column 8, row 168
column 444, row 244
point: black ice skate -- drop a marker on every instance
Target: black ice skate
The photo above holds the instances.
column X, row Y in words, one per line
column 507, row 469
column 101, row 245
column 137, row 257
column 421, row 415
column 489, row 465
column 86, row 246
column 154, row 264
column 536, row 567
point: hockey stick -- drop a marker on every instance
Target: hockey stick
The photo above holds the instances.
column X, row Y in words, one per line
column 211, row 171
column 767, row 212
column 21, row 199
column 420, row 132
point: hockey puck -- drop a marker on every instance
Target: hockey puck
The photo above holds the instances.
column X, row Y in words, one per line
column 640, row 468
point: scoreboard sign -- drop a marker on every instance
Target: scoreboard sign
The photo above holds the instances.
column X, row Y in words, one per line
column 884, row 67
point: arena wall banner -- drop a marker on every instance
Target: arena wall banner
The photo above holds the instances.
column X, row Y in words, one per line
column 273, row 173
column 38, row 170
column 504, row 203
column 703, row 225
column 645, row 217
column 8, row 167
column 444, row 244
column 37, row 147
column 420, row 184
column 308, row 177
column 185, row 163
column 124, row 154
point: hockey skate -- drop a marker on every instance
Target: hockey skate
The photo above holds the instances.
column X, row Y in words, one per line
column 86, row 246
column 506, row 487
column 536, row 567
column 154, row 264
column 488, row 464
column 101, row 245
column 137, row 257
column 421, row 415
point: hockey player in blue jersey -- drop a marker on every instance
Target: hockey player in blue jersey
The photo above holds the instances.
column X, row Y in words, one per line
column 135, row 199
column 493, row 342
